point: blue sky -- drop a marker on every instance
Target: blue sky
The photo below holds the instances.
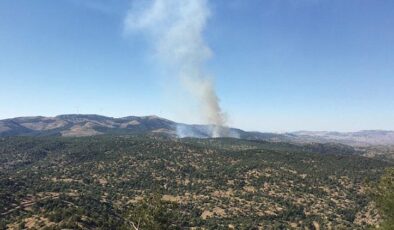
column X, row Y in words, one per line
column 278, row 65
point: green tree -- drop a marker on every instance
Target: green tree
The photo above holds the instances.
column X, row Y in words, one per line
column 383, row 194
column 152, row 213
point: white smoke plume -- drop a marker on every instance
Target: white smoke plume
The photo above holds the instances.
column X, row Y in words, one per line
column 176, row 30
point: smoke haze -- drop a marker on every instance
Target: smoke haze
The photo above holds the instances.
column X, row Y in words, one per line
column 175, row 28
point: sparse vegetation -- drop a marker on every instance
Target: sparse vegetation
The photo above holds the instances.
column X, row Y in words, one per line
column 112, row 182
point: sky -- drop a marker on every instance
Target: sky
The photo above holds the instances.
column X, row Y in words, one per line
column 277, row 65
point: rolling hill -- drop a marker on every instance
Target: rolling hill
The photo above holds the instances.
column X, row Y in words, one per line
column 90, row 125
column 110, row 181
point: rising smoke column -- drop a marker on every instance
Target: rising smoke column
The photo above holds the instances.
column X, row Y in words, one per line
column 176, row 29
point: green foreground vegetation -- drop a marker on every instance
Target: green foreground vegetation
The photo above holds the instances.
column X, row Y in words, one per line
column 383, row 194
column 152, row 182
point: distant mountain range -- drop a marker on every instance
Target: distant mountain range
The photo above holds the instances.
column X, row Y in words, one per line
column 89, row 125
column 360, row 138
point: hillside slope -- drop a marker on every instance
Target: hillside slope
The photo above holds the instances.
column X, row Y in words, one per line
column 104, row 182
column 90, row 125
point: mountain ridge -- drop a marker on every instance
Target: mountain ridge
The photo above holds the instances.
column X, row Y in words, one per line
column 93, row 124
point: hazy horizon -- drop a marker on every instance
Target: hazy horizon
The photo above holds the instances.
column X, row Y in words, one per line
column 248, row 130
column 272, row 66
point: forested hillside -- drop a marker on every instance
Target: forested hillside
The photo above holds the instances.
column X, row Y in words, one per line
column 115, row 182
